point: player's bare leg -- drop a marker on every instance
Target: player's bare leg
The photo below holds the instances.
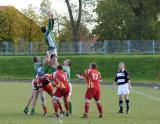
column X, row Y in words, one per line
column 34, row 100
column 43, row 101
column 60, row 108
column 26, row 109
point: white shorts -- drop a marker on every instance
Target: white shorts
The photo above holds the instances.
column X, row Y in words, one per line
column 33, row 86
column 123, row 89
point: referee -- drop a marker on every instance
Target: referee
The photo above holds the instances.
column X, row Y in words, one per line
column 124, row 86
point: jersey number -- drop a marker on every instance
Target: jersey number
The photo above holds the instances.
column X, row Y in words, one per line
column 95, row 76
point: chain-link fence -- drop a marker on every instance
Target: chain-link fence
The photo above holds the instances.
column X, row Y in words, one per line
column 99, row 47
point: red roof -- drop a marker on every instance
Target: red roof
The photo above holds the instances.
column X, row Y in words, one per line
column 5, row 7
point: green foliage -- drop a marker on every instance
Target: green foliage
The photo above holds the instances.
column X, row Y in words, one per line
column 31, row 28
column 3, row 26
column 143, row 68
column 144, row 110
column 44, row 8
column 128, row 19
column 65, row 33
column 15, row 26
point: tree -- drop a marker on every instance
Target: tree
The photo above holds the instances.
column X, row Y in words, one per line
column 44, row 8
column 143, row 15
column 75, row 23
column 80, row 10
column 127, row 19
column 10, row 33
column 31, row 28
column 3, row 26
column 65, row 34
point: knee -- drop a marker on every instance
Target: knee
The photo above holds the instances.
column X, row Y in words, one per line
column 97, row 101
column 87, row 100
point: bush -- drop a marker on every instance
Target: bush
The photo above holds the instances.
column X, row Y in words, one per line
column 140, row 67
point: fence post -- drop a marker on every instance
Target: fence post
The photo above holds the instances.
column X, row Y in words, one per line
column 129, row 46
column 105, row 46
column 153, row 46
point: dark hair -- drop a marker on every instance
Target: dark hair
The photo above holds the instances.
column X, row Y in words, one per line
column 59, row 67
column 35, row 58
column 69, row 62
column 43, row 29
column 93, row 65
column 52, row 56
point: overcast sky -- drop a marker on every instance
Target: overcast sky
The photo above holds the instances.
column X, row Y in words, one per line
column 57, row 5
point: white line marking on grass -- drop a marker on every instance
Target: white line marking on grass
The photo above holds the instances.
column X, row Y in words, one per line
column 147, row 95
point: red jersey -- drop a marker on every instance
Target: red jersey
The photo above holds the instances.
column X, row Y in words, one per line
column 41, row 81
column 93, row 78
column 60, row 79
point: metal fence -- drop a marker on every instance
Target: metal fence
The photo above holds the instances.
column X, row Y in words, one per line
column 99, row 47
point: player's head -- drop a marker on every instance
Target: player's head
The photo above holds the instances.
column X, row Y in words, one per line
column 93, row 65
column 121, row 66
column 59, row 67
column 41, row 73
column 36, row 59
column 43, row 29
column 53, row 55
column 67, row 62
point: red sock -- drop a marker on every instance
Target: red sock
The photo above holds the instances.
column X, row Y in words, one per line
column 67, row 106
column 99, row 106
column 55, row 105
column 86, row 107
column 59, row 105
column 45, row 109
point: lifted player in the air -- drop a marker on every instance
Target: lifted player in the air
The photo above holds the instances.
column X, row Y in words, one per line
column 49, row 37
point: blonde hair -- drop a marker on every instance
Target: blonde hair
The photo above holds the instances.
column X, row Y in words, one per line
column 121, row 63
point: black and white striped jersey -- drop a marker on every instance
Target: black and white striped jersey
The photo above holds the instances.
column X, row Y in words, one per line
column 122, row 77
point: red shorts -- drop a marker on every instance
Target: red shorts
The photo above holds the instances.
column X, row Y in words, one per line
column 62, row 93
column 93, row 93
column 49, row 89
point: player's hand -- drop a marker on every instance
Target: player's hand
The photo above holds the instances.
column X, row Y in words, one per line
column 50, row 14
column 53, row 84
column 78, row 76
column 113, row 87
column 130, row 87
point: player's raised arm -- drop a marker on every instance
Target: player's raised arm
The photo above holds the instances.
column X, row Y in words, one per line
column 80, row 77
column 50, row 21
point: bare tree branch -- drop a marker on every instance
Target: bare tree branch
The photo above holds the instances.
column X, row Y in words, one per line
column 70, row 14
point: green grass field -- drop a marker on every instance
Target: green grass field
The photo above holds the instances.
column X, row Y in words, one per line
column 144, row 108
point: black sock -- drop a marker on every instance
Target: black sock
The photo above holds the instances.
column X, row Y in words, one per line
column 127, row 105
column 121, row 105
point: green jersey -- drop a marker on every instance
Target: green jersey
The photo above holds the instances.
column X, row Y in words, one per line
column 37, row 67
column 48, row 69
column 49, row 37
column 68, row 71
